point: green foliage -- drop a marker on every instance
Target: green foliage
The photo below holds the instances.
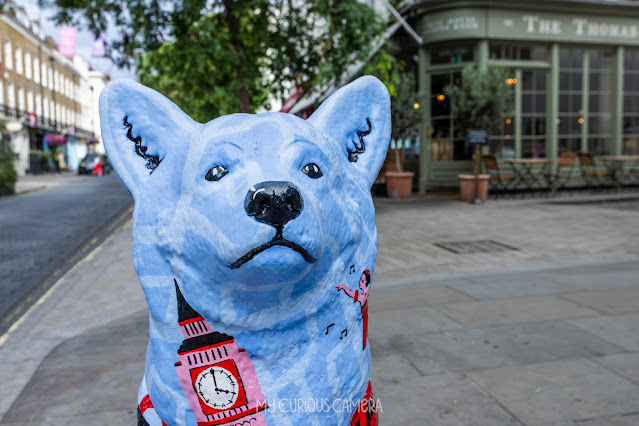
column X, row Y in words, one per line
column 404, row 115
column 479, row 99
column 8, row 175
column 213, row 57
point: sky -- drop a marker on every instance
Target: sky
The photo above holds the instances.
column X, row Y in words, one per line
column 83, row 39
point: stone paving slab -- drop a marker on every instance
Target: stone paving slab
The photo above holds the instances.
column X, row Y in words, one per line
column 409, row 321
column 511, row 285
column 73, row 378
column 419, row 297
column 393, row 367
column 442, row 400
column 511, row 345
column 109, row 418
column 599, row 280
column 489, row 313
column 567, row 390
column 627, row 365
column 612, row 302
column 621, row 330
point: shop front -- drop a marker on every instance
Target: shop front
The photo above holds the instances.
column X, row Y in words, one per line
column 574, row 74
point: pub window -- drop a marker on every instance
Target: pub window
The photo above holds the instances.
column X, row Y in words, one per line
column 502, row 143
column 599, row 118
column 631, row 103
column 446, row 144
column 517, row 52
column 571, row 108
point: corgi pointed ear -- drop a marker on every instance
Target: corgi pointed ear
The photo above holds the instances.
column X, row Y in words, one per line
column 140, row 127
column 357, row 116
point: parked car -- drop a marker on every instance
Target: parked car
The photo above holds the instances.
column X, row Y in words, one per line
column 90, row 160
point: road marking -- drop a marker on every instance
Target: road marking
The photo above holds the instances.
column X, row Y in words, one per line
column 58, row 283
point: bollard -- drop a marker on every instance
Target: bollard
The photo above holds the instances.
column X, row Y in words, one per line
column 254, row 241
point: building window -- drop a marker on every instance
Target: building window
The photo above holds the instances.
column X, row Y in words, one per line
column 599, row 118
column 43, row 70
column 30, row 105
column 1, row 93
column 446, row 144
column 56, row 81
column 19, row 68
column 38, row 105
column 52, row 105
column 50, row 73
column 571, row 108
column 36, row 70
column 21, row 104
column 8, row 55
column 45, row 107
column 11, row 95
column 631, row 103
column 28, row 74
column 523, row 53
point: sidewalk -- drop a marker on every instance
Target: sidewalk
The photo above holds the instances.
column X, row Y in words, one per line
column 30, row 183
column 542, row 335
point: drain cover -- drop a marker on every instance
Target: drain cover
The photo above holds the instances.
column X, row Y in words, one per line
column 478, row 246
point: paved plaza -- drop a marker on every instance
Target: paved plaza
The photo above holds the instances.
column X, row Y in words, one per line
column 536, row 327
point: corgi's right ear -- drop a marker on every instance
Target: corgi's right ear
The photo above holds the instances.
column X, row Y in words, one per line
column 140, row 127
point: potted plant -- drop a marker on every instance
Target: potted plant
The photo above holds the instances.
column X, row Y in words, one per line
column 8, row 174
column 54, row 142
column 36, row 161
column 404, row 116
column 479, row 100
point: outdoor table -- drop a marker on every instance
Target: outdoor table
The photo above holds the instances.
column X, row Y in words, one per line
column 617, row 166
column 527, row 175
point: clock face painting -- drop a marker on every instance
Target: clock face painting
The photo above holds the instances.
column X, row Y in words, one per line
column 217, row 387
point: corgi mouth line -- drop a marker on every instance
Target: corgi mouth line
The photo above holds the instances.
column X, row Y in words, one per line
column 277, row 241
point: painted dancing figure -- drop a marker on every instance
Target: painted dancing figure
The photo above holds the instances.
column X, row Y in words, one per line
column 362, row 298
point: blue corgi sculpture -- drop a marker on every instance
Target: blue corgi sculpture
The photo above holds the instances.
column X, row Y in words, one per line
column 254, row 241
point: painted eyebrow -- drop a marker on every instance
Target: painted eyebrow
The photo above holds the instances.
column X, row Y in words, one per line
column 234, row 145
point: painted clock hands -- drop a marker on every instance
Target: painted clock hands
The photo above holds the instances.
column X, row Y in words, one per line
column 216, row 389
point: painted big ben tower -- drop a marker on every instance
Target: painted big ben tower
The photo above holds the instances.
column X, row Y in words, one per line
column 218, row 378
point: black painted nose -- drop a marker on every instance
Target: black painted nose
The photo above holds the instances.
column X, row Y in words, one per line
column 274, row 203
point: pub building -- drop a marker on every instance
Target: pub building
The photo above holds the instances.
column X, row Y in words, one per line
column 574, row 75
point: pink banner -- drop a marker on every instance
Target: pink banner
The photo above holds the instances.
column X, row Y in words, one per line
column 66, row 44
column 98, row 46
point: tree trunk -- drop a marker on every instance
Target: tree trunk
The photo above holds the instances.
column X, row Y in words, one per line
column 238, row 47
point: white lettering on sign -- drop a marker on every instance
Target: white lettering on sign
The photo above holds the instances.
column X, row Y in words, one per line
column 584, row 27
column 458, row 23
column 536, row 25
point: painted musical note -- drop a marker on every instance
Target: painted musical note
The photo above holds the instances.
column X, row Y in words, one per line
column 352, row 269
column 344, row 333
column 329, row 327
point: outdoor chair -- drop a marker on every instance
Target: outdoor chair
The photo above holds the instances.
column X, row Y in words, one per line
column 593, row 176
column 562, row 176
column 498, row 181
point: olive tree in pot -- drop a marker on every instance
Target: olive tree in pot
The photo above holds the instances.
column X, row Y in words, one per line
column 405, row 117
column 479, row 99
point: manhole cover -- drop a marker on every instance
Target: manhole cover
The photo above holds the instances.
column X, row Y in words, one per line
column 479, row 246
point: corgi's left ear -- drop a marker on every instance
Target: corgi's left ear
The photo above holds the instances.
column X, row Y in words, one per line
column 358, row 117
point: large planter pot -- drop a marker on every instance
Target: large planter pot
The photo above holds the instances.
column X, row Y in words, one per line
column 399, row 184
column 467, row 187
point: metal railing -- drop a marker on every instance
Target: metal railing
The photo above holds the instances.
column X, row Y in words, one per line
column 42, row 122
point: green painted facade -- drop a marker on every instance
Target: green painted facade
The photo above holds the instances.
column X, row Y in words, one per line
column 570, row 61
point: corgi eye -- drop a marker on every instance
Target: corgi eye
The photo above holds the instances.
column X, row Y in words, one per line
column 312, row 170
column 216, row 173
